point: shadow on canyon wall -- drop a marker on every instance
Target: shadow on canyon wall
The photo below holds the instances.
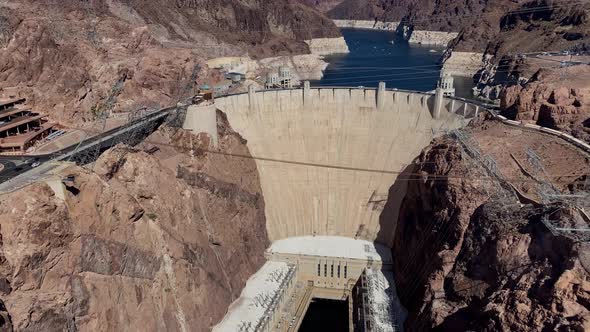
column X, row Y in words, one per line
column 389, row 216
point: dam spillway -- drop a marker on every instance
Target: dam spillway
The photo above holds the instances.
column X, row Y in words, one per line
column 327, row 157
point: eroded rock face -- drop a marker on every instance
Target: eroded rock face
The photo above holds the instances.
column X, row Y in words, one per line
column 433, row 217
column 468, row 256
column 513, row 275
column 74, row 59
column 558, row 99
column 497, row 27
column 147, row 242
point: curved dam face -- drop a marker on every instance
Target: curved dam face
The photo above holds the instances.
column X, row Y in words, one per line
column 328, row 157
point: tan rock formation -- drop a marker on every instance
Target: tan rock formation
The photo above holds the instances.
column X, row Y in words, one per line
column 424, row 37
column 463, row 63
column 367, row 24
column 326, row 46
column 558, row 99
column 148, row 242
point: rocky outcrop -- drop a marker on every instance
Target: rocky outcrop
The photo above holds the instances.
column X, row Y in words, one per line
column 303, row 67
column 516, row 275
column 322, row 5
column 326, row 46
column 558, row 99
column 162, row 240
column 5, row 320
column 470, row 256
column 423, row 37
column 463, row 63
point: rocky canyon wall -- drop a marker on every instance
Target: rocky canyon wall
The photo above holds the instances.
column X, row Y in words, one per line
column 162, row 240
column 491, row 26
column 76, row 59
column 469, row 257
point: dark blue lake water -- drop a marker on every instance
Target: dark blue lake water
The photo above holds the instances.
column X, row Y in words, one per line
column 379, row 56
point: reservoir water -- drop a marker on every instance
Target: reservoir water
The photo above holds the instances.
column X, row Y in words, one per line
column 382, row 56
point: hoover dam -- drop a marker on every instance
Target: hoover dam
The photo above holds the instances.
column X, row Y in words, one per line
column 328, row 159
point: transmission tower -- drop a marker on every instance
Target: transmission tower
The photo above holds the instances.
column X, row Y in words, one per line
column 87, row 151
column 498, row 188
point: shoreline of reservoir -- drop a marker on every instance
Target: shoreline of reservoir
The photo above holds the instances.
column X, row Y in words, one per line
column 381, row 55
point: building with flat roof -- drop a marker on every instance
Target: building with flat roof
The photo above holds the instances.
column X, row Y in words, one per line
column 20, row 128
column 10, row 103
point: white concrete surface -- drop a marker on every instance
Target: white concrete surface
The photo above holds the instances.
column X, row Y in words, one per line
column 44, row 171
column 326, row 166
column 202, row 119
column 57, row 186
column 332, row 246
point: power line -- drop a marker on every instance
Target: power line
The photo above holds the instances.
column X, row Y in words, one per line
column 396, row 76
column 409, row 176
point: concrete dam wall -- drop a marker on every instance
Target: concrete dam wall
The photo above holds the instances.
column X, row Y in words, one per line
column 328, row 157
